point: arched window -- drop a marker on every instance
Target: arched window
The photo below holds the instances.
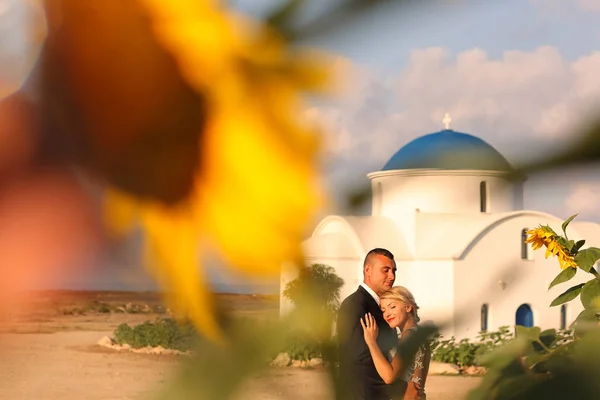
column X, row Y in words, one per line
column 483, row 198
column 484, row 317
column 563, row 316
column 524, row 316
column 526, row 253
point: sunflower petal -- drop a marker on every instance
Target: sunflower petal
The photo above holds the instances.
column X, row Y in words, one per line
column 173, row 258
column 120, row 212
column 258, row 194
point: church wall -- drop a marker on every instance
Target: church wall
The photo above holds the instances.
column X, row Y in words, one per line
column 431, row 284
column 398, row 195
column 444, row 192
column 496, row 273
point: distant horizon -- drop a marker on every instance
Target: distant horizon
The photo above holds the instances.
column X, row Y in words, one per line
column 220, row 288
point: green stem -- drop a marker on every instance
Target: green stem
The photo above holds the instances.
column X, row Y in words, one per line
column 594, row 272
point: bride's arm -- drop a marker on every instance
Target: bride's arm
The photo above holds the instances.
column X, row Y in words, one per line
column 388, row 371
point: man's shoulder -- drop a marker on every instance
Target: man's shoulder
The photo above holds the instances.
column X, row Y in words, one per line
column 353, row 300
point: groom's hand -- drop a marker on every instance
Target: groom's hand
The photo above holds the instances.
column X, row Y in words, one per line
column 370, row 329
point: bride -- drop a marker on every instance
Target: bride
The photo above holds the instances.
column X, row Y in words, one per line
column 400, row 311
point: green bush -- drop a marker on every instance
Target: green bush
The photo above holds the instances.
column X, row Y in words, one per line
column 166, row 333
column 465, row 352
column 104, row 309
column 303, row 347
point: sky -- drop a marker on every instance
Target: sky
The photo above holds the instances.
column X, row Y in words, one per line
column 520, row 74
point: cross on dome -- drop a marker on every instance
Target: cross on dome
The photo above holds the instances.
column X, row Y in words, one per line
column 446, row 121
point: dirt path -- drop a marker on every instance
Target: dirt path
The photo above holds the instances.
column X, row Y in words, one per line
column 298, row 384
column 69, row 366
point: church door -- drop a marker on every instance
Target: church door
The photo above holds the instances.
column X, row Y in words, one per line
column 524, row 316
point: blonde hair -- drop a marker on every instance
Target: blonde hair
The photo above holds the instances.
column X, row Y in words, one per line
column 404, row 296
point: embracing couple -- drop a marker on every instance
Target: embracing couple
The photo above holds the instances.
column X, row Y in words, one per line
column 368, row 320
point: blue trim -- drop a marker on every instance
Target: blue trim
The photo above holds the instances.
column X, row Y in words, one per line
column 563, row 316
column 447, row 150
column 484, row 317
column 524, row 316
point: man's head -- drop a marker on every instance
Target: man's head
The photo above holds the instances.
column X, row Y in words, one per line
column 379, row 270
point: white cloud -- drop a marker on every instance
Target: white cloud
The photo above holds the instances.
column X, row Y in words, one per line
column 591, row 5
column 584, row 198
column 520, row 97
column 561, row 6
column 523, row 103
column 535, row 93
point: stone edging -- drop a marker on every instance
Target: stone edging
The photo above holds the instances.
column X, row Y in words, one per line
column 284, row 360
column 439, row 368
column 107, row 342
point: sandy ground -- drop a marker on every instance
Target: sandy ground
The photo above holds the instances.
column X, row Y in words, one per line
column 54, row 356
column 69, row 366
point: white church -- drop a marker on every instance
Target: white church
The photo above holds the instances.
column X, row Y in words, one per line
column 449, row 210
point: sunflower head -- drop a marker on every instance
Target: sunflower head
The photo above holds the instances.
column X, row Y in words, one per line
column 248, row 160
column 555, row 245
column 540, row 236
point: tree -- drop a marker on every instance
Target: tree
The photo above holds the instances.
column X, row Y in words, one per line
column 317, row 284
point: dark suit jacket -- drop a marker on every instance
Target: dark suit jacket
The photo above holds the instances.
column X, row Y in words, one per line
column 359, row 378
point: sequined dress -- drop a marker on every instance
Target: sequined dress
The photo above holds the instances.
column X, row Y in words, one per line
column 413, row 372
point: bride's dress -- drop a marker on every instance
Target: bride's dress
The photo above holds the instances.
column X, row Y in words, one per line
column 412, row 373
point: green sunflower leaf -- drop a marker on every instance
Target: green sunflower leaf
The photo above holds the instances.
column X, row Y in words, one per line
column 586, row 259
column 567, row 222
column 564, row 276
column 567, row 295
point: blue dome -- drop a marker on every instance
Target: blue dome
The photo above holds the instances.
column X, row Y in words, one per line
column 448, row 150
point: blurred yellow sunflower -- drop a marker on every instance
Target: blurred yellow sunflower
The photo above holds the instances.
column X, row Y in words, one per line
column 256, row 186
column 539, row 237
column 545, row 236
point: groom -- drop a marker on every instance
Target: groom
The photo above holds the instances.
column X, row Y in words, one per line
column 359, row 378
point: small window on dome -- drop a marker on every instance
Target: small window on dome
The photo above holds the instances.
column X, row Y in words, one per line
column 483, row 198
column 526, row 253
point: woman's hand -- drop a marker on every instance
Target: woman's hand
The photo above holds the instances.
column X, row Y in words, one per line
column 370, row 329
column 414, row 392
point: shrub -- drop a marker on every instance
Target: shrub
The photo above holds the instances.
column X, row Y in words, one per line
column 162, row 332
column 303, row 347
column 104, row 309
column 465, row 352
